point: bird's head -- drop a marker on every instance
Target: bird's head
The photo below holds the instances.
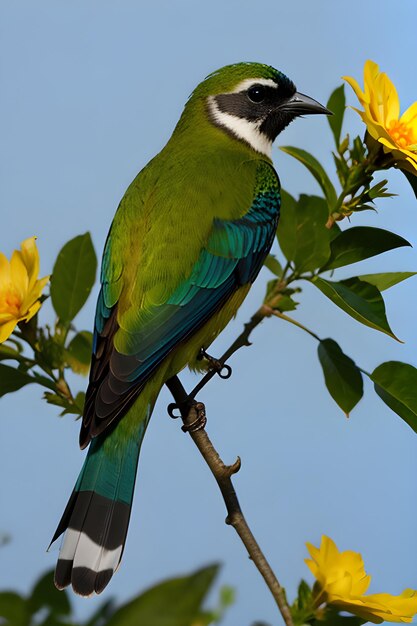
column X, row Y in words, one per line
column 253, row 102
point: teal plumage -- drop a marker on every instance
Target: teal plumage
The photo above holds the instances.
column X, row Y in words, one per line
column 187, row 241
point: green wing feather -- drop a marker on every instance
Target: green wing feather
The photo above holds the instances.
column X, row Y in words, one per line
column 143, row 315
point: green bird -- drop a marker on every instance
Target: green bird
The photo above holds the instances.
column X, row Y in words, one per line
column 187, row 241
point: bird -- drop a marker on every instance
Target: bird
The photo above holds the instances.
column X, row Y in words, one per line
column 187, row 241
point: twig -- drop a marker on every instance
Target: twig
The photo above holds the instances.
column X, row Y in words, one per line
column 223, row 473
column 291, row 320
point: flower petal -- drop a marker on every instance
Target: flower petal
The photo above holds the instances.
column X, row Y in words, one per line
column 30, row 256
column 381, row 105
column 4, row 270
column 5, row 317
column 7, row 329
column 409, row 117
column 32, row 311
column 20, row 288
column 18, row 273
column 314, row 552
column 370, row 73
column 355, row 86
column 329, row 549
column 385, row 103
column 403, row 156
column 35, row 293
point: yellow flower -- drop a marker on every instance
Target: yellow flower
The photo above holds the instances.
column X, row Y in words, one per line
column 342, row 582
column 20, row 288
column 381, row 114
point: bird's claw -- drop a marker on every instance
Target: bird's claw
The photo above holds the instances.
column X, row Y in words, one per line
column 216, row 365
column 173, row 406
column 225, row 372
column 200, row 420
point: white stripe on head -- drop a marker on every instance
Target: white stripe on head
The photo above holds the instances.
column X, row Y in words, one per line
column 241, row 127
column 248, row 82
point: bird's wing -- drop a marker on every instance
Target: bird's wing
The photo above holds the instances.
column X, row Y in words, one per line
column 131, row 342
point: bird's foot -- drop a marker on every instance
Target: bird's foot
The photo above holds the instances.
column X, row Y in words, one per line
column 215, row 365
column 198, row 418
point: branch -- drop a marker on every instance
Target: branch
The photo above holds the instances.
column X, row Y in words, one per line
column 192, row 415
column 291, row 320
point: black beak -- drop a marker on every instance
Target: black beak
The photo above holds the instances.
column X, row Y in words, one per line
column 300, row 104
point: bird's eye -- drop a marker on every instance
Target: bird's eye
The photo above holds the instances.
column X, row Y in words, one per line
column 256, row 93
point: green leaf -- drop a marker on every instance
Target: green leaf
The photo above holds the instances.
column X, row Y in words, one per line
column 287, row 225
column 304, row 595
column 287, row 200
column 55, row 399
column 302, row 234
column 358, row 150
column 359, row 243
column 412, row 179
column 278, row 298
column 271, row 286
column 73, row 276
column 43, row 380
column 302, row 608
column 334, row 231
column 343, row 378
column 12, row 379
column 175, row 602
column 387, row 279
column 227, row 596
column 79, row 403
column 13, row 609
column 9, row 353
column 274, row 266
column 317, row 171
column 358, row 299
column 285, row 303
column 78, row 353
column 69, row 408
column 396, row 385
column 380, row 190
column 46, row 596
column 336, row 104
column 288, row 214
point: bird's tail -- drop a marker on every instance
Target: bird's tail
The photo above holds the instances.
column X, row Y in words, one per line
column 97, row 515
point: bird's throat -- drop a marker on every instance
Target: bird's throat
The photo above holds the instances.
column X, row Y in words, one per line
column 240, row 128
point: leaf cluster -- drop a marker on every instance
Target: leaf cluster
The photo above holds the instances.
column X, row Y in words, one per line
column 173, row 602
column 356, row 162
column 315, row 248
column 54, row 351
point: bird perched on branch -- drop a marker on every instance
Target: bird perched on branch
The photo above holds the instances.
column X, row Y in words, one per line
column 188, row 239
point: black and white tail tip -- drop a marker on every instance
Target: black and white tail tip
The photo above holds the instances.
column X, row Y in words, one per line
column 95, row 532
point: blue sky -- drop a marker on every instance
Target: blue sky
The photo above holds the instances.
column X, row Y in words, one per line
column 91, row 90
